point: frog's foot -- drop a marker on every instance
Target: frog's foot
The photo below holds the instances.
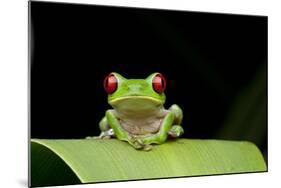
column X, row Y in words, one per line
column 136, row 142
column 98, row 137
column 104, row 135
column 176, row 131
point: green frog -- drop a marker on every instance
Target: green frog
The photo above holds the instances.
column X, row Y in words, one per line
column 138, row 115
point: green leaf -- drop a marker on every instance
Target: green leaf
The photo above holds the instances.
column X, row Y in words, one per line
column 57, row 162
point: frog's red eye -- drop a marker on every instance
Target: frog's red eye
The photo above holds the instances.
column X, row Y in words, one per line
column 110, row 83
column 159, row 83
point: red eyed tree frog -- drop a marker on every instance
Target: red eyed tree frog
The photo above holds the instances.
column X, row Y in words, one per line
column 138, row 115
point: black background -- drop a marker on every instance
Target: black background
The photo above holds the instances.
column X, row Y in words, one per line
column 215, row 65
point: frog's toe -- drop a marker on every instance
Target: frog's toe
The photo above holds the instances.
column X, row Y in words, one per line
column 176, row 131
column 136, row 142
column 147, row 147
column 140, row 141
column 106, row 137
column 174, row 134
column 93, row 137
column 137, row 145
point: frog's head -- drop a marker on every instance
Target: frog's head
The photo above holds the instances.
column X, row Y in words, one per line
column 135, row 94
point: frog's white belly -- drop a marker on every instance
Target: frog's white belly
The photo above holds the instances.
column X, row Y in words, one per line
column 142, row 125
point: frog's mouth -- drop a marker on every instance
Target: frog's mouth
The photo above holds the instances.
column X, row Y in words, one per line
column 136, row 103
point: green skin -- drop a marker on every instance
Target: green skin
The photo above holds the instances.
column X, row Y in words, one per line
column 138, row 115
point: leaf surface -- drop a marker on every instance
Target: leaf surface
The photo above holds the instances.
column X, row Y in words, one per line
column 57, row 162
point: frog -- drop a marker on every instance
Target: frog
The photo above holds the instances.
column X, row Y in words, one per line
column 138, row 115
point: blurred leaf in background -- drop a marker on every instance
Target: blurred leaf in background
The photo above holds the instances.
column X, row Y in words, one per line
column 247, row 118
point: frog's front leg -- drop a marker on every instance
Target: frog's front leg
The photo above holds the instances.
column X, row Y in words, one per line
column 161, row 136
column 106, row 131
column 176, row 130
column 119, row 132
